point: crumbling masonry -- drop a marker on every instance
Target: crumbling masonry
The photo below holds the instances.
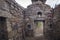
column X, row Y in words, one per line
column 36, row 22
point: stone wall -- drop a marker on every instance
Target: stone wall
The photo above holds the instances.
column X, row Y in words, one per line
column 48, row 26
column 53, row 24
column 56, row 23
column 31, row 13
column 14, row 18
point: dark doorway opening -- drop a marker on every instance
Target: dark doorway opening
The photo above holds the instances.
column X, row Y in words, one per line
column 3, row 29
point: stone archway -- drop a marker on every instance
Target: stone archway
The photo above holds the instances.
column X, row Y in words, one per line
column 3, row 29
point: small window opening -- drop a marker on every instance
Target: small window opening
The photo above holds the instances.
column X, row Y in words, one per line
column 29, row 26
column 50, row 25
column 39, row 14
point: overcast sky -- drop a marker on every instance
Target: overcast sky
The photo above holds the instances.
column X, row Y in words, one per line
column 25, row 3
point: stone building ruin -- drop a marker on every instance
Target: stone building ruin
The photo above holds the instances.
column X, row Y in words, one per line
column 37, row 15
column 11, row 20
column 36, row 22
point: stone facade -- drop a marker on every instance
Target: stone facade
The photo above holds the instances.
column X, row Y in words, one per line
column 18, row 23
column 38, row 12
column 10, row 10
